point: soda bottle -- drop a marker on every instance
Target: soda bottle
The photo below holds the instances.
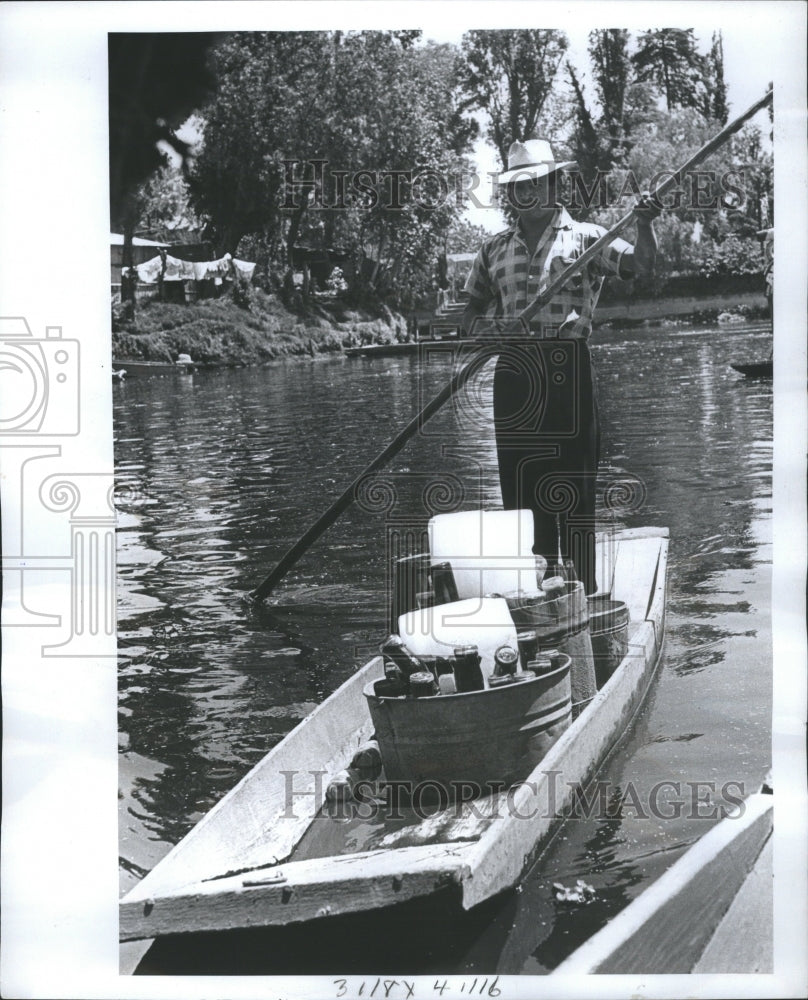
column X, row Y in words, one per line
column 422, row 684
column 541, row 665
column 467, row 670
column 505, row 661
column 528, row 643
column 395, row 649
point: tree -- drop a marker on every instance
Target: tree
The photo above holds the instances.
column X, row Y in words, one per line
column 510, row 76
column 298, row 116
column 708, row 226
column 600, row 138
column 717, row 88
column 668, row 58
column 164, row 206
column 589, row 150
column 611, row 70
column 269, row 85
column 155, row 82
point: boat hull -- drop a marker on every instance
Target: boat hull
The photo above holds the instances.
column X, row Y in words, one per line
column 237, row 868
column 711, row 912
column 153, row 368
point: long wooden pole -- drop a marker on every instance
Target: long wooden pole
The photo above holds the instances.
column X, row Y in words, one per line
column 459, row 379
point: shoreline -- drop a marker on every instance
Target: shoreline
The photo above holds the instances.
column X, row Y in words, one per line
column 220, row 334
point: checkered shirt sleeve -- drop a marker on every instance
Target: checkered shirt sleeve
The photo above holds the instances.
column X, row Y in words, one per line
column 611, row 256
column 504, row 277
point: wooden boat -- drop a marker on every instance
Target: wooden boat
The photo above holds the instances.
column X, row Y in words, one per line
column 242, row 865
column 710, row 913
column 383, row 350
column 130, row 368
column 759, row 369
column 411, row 347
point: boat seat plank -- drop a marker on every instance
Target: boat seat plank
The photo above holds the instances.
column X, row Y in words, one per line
column 302, row 890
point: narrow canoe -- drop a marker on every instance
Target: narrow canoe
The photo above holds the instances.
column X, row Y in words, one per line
column 153, row 367
column 398, row 350
column 237, row 868
column 759, row 369
column 711, row 912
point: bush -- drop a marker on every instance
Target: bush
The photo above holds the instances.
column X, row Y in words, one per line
column 226, row 332
column 241, row 291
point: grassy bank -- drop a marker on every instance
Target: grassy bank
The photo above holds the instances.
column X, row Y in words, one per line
column 222, row 332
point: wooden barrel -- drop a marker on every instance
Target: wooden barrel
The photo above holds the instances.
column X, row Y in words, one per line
column 608, row 629
column 561, row 624
column 482, row 737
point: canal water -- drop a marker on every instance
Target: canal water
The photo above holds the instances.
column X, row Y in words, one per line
column 218, row 473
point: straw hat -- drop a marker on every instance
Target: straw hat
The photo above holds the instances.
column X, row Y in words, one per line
column 532, row 158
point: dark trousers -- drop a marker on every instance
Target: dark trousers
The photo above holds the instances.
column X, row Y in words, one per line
column 548, row 443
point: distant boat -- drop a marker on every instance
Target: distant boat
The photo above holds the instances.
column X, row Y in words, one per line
column 182, row 366
column 758, row 369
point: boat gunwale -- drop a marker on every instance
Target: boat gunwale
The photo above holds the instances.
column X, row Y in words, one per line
column 470, row 857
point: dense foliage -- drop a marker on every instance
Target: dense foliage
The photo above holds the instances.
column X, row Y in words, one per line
column 358, row 143
column 331, row 139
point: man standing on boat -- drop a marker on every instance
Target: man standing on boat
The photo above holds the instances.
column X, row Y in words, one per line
column 545, row 406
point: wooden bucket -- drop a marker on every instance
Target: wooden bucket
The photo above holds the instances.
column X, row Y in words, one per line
column 487, row 737
column 608, row 629
column 561, row 624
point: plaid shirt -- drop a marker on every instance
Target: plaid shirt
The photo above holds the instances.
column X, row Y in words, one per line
column 504, row 275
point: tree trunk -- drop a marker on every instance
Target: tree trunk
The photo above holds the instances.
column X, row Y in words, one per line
column 291, row 238
column 128, row 276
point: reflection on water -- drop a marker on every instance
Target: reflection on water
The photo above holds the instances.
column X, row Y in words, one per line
column 218, row 473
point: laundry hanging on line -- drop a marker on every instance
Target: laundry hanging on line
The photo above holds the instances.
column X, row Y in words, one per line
column 186, row 270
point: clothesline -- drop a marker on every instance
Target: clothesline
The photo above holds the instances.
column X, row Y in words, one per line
column 191, row 270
